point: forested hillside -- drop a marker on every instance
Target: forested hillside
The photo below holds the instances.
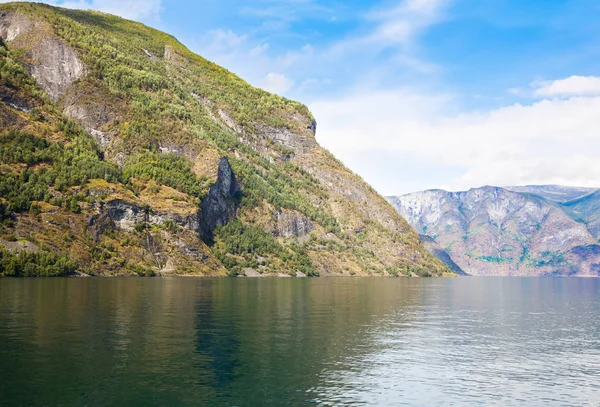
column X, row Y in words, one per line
column 122, row 152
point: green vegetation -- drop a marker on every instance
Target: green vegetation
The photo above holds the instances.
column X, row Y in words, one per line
column 41, row 263
column 492, row 259
column 66, row 165
column 114, row 51
column 13, row 75
column 238, row 246
column 166, row 169
column 549, row 258
column 147, row 91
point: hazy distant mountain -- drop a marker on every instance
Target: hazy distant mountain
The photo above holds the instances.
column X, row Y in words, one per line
column 497, row 231
column 586, row 210
column 556, row 193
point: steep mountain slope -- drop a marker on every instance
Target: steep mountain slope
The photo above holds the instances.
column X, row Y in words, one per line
column 130, row 154
column 434, row 248
column 555, row 193
column 586, row 209
column 493, row 231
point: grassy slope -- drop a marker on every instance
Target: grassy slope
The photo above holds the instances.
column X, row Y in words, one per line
column 158, row 96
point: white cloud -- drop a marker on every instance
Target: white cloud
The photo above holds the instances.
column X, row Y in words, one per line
column 402, row 23
column 227, row 40
column 276, row 83
column 574, row 85
column 130, row 9
column 400, row 140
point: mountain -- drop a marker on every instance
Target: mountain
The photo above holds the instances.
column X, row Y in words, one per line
column 586, row 209
column 495, row 231
column 125, row 153
column 555, row 193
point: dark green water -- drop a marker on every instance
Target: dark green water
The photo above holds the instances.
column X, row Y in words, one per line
column 295, row 342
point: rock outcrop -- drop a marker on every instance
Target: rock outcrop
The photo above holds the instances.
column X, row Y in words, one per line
column 50, row 60
column 220, row 205
column 293, row 224
column 127, row 215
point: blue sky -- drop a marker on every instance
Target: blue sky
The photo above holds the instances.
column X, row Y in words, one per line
column 416, row 94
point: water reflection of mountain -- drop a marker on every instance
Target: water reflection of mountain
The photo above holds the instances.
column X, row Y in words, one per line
column 184, row 341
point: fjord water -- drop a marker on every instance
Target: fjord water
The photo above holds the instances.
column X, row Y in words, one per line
column 276, row 342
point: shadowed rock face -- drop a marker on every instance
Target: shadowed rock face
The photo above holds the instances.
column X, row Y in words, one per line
column 220, row 205
column 435, row 249
column 494, row 231
column 53, row 63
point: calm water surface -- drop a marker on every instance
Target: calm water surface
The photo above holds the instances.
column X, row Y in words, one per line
column 295, row 342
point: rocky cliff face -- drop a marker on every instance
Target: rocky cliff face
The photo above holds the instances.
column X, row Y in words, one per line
column 220, row 205
column 494, row 231
column 147, row 150
column 51, row 61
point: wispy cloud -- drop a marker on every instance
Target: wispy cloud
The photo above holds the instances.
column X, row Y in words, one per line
column 401, row 24
column 398, row 26
column 289, row 10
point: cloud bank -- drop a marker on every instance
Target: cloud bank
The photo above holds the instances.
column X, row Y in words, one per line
column 393, row 137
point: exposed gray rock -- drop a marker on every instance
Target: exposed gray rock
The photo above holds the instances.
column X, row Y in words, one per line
column 150, row 55
column 167, row 149
column 51, row 61
column 19, row 246
column 293, row 224
column 285, row 138
column 300, row 274
column 126, row 215
column 13, row 25
column 56, row 66
column 224, row 119
column 91, row 116
column 220, row 205
column 229, row 121
column 100, row 137
column 248, row 272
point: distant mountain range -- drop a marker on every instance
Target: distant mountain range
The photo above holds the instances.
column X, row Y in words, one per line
column 526, row 230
